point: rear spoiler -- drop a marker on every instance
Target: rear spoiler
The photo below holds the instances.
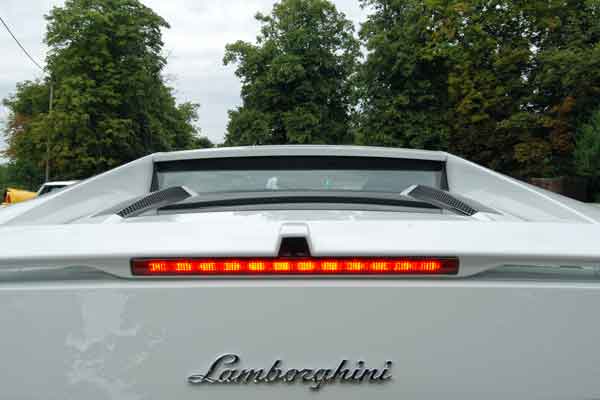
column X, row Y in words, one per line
column 480, row 246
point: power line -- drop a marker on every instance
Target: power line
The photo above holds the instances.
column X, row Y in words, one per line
column 20, row 45
column 50, row 99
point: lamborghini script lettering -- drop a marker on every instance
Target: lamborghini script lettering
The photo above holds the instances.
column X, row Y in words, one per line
column 223, row 371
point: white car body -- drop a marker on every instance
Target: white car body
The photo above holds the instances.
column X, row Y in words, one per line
column 518, row 321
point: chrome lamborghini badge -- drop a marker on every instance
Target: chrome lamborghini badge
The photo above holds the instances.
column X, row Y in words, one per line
column 223, row 371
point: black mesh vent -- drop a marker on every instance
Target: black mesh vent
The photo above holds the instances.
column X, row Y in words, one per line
column 154, row 200
column 442, row 198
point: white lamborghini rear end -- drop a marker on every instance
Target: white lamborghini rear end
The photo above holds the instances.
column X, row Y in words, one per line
column 288, row 272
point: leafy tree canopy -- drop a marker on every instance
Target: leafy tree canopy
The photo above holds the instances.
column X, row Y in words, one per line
column 296, row 80
column 504, row 82
column 587, row 148
column 26, row 134
column 111, row 104
column 403, row 81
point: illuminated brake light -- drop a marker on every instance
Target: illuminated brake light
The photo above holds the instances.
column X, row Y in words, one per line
column 306, row 266
column 155, row 267
column 379, row 266
column 309, row 266
column 329, row 266
column 257, row 266
column 281, row 266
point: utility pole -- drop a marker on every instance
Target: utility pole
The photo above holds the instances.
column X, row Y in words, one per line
column 48, row 131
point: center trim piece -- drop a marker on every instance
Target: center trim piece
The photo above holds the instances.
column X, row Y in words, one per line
column 222, row 371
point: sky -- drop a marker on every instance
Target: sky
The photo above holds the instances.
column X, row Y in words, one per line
column 195, row 43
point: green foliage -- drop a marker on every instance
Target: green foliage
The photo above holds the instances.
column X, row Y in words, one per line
column 488, row 86
column 587, row 148
column 111, row 104
column 26, row 134
column 296, row 81
column 565, row 73
column 202, row 142
column 501, row 82
column 19, row 175
column 3, row 179
column 404, row 79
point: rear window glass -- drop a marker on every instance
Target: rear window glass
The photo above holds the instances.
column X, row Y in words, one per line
column 252, row 174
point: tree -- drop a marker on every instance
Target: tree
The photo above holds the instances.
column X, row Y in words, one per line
column 503, row 81
column 3, row 179
column 111, row 104
column 587, row 147
column 490, row 59
column 565, row 73
column 296, row 81
column 404, row 79
column 26, row 134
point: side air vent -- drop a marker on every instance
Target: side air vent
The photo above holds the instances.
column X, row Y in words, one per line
column 151, row 201
column 448, row 201
column 154, row 200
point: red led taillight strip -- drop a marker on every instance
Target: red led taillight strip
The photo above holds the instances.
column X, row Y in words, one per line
column 284, row 266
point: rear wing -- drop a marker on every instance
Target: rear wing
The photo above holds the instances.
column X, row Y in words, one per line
column 479, row 246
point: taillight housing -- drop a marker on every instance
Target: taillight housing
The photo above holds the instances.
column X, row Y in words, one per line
column 324, row 266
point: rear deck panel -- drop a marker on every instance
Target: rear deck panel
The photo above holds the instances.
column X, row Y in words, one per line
column 142, row 340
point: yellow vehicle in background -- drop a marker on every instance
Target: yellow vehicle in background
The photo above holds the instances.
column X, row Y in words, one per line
column 12, row 195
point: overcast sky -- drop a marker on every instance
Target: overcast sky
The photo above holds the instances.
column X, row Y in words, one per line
column 195, row 44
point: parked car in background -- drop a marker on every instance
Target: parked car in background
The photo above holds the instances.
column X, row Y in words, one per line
column 12, row 195
column 49, row 187
column 273, row 272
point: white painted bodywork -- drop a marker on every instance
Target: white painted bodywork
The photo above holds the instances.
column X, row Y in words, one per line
column 76, row 324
